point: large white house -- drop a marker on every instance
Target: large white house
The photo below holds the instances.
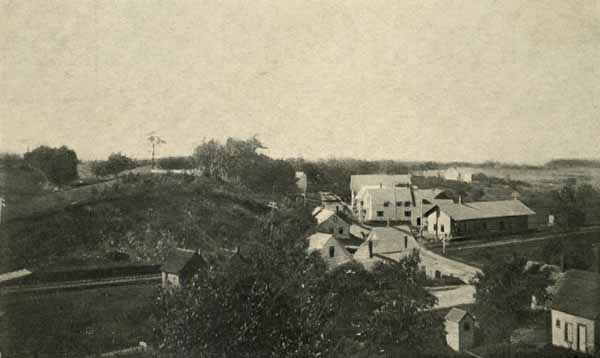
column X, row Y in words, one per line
column 357, row 182
column 330, row 249
column 397, row 204
column 385, row 244
column 575, row 312
column 383, row 204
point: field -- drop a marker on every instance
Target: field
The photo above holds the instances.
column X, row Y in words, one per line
column 532, row 250
column 76, row 323
column 546, row 177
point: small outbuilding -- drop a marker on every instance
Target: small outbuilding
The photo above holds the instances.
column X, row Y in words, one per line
column 331, row 222
column 330, row 249
column 460, row 329
column 575, row 312
column 180, row 267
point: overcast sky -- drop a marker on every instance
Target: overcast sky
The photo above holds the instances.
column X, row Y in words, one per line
column 410, row 80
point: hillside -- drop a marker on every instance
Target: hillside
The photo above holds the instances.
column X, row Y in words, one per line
column 141, row 216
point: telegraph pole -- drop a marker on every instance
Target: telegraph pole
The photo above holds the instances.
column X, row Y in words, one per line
column 2, row 205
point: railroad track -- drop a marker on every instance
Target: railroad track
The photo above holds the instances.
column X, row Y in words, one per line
column 79, row 284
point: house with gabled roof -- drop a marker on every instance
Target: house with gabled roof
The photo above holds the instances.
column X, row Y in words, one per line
column 384, row 204
column 332, row 222
column 454, row 220
column 575, row 312
column 397, row 204
column 386, row 244
column 330, row 249
column 180, row 266
column 357, row 182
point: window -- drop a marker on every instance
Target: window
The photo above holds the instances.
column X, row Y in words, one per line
column 362, row 203
column 407, row 203
column 435, row 227
column 569, row 332
column 407, row 214
column 442, row 228
column 380, row 213
column 386, row 204
column 341, row 230
column 398, row 203
column 466, row 326
column 418, row 221
column 370, row 249
column 331, row 251
column 558, row 323
column 405, row 242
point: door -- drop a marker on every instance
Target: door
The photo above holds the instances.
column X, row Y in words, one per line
column 581, row 338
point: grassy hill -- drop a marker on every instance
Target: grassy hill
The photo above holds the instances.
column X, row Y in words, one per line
column 143, row 216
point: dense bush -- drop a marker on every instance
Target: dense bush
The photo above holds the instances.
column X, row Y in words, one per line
column 116, row 163
column 176, row 163
column 58, row 164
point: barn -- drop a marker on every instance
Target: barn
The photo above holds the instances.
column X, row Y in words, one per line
column 454, row 220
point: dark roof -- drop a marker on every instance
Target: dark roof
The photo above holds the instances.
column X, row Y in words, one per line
column 456, row 315
column 579, row 294
column 484, row 209
column 178, row 260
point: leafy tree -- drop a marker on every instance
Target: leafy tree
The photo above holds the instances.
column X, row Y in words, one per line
column 116, row 163
column 210, row 157
column 573, row 254
column 504, row 292
column 238, row 161
column 273, row 300
column 403, row 321
column 571, row 204
column 262, row 303
column 58, row 164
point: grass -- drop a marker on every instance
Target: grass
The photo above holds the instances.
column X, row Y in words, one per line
column 142, row 216
column 76, row 323
column 532, row 250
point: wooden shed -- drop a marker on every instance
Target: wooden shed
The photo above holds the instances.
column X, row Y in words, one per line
column 460, row 329
column 180, row 267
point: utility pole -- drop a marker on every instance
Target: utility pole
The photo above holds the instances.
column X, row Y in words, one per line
column 2, row 205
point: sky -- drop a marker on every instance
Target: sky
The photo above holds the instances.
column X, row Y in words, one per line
column 514, row 81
